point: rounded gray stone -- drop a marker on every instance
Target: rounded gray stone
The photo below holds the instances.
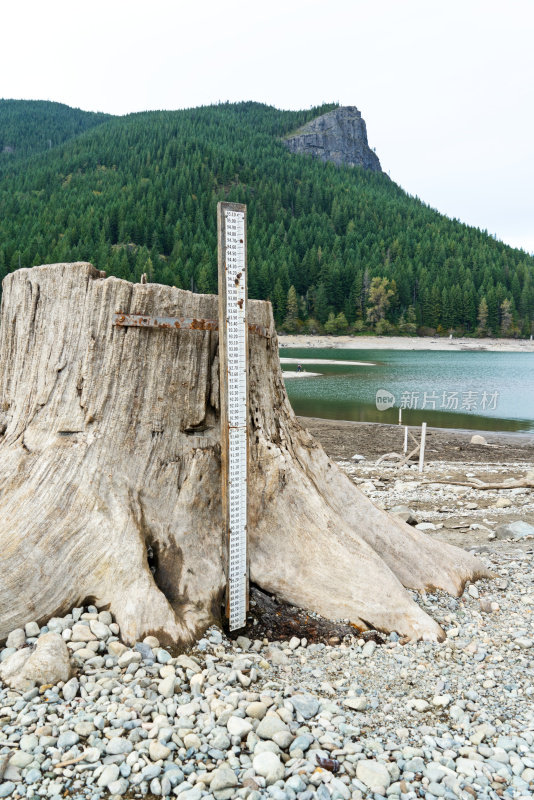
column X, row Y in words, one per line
column 373, row 774
column 151, row 771
column 223, row 778
column 32, row 629
column 16, row 638
column 269, row 766
column 33, row 775
column 119, row 746
column 118, row 787
column 270, row 725
column 109, row 774
column 306, row 705
column 67, row 739
column 70, row 690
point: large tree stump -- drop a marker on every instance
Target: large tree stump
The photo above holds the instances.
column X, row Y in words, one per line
column 110, row 453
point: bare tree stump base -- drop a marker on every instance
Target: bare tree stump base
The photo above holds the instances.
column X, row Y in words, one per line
column 110, row 451
column 276, row 620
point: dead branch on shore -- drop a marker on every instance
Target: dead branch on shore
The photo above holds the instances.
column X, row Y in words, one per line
column 409, row 456
column 522, row 483
column 4, row 762
column 387, row 457
column 395, row 456
column 70, row 761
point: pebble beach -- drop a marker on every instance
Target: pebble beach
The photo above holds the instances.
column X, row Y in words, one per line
column 286, row 719
column 292, row 719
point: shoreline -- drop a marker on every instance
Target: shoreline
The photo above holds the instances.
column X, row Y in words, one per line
column 407, row 343
column 341, row 439
column 519, row 437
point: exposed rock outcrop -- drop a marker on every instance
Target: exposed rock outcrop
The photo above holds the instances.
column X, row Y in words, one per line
column 339, row 136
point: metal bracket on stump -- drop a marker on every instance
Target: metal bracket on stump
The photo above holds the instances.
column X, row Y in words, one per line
column 123, row 320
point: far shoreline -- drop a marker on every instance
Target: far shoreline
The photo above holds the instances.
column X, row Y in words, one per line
column 407, row 343
column 504, row 437
column 341, row 439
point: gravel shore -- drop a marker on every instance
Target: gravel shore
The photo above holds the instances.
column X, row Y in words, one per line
column 252, row 718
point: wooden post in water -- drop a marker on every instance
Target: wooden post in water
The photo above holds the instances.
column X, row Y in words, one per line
column 233, row 371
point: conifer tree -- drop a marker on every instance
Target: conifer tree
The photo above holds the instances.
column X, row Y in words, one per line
column 506, row 317
column 292, row 313
column 483, row 315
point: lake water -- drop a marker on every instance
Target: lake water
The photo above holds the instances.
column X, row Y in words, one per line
column 473, row 390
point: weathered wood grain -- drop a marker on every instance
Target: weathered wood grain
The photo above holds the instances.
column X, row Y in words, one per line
column 110, row 451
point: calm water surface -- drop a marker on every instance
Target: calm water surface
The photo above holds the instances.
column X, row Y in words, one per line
column 474, row 390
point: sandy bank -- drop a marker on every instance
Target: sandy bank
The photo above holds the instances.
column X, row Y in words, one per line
column 408, row 343
column 294, row 374
column 326, row 361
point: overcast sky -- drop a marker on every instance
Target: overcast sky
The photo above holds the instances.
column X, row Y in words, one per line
column 445, row 86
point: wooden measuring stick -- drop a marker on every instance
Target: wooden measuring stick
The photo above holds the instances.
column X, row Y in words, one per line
column 233, row 360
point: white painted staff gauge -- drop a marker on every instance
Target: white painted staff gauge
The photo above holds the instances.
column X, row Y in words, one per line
column 233, row 358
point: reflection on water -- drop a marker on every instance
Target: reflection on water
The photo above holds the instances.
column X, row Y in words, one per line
column 473, row 390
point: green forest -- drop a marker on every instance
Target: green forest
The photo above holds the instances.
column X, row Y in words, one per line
column 335, row 249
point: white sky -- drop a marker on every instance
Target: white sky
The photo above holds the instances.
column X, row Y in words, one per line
column 445, row 86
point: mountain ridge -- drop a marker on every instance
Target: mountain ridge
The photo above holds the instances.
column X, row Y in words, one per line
column 28, row 127
column 138, row 194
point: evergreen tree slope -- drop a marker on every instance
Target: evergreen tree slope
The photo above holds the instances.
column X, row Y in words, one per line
column 330, row 246
column 32, row 126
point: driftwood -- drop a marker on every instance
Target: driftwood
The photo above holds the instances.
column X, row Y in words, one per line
column 4, row 762
column 520, row 483
column 69, row 761
column 402, row 459
column 110, row 475
column 387, row 457
column 409, row 456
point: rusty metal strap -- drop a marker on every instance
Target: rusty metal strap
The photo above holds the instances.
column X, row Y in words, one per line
column 121, row 320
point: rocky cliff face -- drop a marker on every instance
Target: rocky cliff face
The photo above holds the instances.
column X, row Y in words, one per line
column 339, row 136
